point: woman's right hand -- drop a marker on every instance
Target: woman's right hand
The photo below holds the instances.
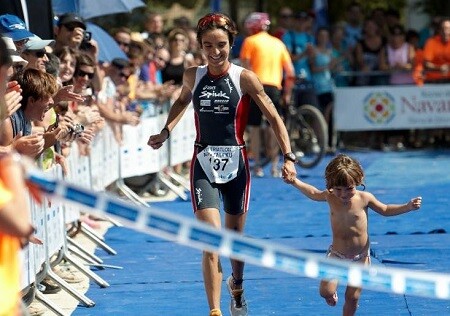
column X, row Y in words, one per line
column 156, row 141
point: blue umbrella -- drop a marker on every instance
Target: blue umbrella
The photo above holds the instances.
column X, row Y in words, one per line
column 92, row 8
column 108, row 47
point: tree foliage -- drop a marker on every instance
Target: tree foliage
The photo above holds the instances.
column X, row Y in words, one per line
column 434, row 7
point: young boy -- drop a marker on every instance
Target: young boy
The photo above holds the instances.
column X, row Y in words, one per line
column 348, row 214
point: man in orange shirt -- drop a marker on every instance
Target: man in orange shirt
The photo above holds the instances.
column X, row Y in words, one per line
column 269, row 59
column 436, row 54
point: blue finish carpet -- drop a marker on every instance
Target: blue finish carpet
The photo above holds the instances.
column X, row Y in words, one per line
column 163, row 278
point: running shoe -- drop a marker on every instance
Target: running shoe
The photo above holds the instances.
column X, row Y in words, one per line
column 215, row 312
column 258, row 172
column 238, row 305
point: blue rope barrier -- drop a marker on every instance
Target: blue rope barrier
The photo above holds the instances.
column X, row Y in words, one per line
column 198, row 235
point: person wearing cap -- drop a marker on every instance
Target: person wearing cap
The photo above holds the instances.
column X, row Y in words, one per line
column 269, row 59
column 69, row 31
column 35, row 52
column 18, row 61
column 13, row 91
column 13, row 27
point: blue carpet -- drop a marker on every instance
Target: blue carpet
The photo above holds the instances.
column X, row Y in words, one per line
column 160, row 277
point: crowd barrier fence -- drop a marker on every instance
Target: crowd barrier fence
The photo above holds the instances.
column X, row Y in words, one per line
column 106, row 164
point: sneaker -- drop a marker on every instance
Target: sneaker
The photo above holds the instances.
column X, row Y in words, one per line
column 259, row 172
column 215, row 312
column 238, row 305
column 36, row 309
column 49, row 287
column 276, row 173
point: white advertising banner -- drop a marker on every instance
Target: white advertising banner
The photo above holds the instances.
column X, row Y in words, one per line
column 392, row 107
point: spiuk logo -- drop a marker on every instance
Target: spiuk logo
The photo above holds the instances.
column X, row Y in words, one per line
column 379, row 107
column 227, row 80
column 198, row 192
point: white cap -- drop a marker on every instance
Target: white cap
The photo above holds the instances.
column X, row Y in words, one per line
column 37, row 43
column 15, row 56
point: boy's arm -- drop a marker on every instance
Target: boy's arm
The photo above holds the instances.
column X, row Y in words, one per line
column 393, row 209
column 310, row 191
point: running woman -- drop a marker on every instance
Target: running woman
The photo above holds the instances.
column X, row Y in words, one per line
column 221, row 93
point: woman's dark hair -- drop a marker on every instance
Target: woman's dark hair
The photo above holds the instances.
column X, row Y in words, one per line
column 84, row 59
column 214, row 21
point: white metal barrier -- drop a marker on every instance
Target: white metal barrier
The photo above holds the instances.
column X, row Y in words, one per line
column 106, row 164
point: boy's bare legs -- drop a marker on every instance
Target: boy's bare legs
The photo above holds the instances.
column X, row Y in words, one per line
column 212, row 269
column 328, row 292
column 352, row 295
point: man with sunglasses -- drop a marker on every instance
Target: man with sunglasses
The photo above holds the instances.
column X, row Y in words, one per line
column 35, row 52
column 69, row 31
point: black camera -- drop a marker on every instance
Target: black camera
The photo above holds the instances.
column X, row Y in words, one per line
column 85, row 43
column 87, row 36
column 77, row 129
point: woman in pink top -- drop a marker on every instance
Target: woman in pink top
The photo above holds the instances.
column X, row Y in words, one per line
column 398, row 57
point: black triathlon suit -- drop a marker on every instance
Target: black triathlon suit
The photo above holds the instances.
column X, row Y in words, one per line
column 221, row 114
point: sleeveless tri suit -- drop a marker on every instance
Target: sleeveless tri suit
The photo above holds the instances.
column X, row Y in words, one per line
column 220, row 165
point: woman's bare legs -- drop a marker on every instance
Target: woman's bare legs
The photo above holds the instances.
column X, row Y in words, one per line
column 212, row 269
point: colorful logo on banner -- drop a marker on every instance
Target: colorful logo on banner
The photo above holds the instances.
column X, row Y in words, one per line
column 379, row 107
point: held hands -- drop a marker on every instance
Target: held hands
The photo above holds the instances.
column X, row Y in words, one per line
column 415, row 203
column 288, row 172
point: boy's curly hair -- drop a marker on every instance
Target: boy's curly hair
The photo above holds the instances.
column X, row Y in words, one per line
column 343, row 171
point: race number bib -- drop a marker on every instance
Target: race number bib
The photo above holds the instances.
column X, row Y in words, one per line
column 220, row 163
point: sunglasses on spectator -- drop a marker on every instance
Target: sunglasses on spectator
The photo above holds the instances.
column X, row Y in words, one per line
column 81, row 73
column 124, row 75
column 39, row 53
column 123, row 44
column 72, row 26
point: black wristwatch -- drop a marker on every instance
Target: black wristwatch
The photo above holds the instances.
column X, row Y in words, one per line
column 290, row 156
